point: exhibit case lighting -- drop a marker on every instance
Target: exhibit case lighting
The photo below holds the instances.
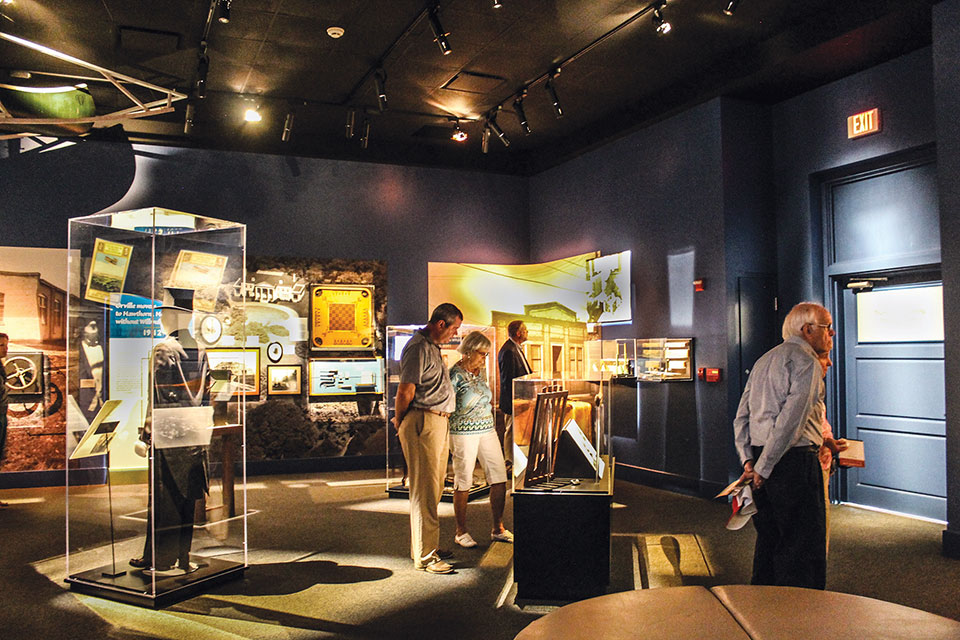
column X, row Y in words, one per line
column 155, row 428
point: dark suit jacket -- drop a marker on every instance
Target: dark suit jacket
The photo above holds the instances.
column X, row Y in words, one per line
column 512, row 366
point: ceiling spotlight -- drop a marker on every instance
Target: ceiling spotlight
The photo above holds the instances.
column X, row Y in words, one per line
column 492, row 123
column 439, row 35
column 224, row 6
column 335, row 32
column 380, row 82
column 485, row 140
column 497, row 4
column 458, row 134
column 188, row 121
column 521, row 114
column 203, row 67
column 365, row 136
column 351, row 122
column 663, row 27
column 731, row 7
column 287, row 127
column 252, row 114
column 552, row 90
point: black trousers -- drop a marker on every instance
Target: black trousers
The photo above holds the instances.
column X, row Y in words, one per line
column 169, row 521
column 791, row 547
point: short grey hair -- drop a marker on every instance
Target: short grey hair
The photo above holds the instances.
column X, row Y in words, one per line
column 802, row 314
column 473, row 342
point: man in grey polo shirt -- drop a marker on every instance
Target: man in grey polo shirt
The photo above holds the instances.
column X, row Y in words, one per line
column 777, row 433
column 425, row 398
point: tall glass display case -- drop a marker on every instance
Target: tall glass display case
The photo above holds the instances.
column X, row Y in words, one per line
column 562, row 487
column 397, row 338
column 157, row 428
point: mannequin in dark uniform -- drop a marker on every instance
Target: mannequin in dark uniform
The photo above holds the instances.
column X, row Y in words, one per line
column 181, row 378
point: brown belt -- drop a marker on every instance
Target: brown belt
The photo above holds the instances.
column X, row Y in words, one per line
column 442, row 414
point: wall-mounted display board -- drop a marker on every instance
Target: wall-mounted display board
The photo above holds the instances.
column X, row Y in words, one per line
column 341, row 318
column 346, row 377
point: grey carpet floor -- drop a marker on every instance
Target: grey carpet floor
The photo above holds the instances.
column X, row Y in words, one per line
column 330, row 560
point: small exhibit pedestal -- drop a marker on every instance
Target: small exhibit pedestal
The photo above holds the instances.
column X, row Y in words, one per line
column 562, row 539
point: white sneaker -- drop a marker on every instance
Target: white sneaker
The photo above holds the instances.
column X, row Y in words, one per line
column 465, row 540
column 503, row 536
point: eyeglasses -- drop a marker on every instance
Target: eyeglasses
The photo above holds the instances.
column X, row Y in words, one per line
column 828, row 327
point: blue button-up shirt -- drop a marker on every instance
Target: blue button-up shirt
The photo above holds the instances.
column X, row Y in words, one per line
column 782, row 404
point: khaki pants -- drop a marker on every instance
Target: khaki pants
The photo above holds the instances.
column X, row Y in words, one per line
column 424, row 440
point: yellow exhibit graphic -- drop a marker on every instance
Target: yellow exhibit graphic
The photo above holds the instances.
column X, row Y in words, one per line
column 341, row 317
column 108, row 270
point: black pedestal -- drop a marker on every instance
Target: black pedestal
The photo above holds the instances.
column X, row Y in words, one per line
column 562, row 545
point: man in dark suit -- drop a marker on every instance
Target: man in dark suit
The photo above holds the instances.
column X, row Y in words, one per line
column 513, row 364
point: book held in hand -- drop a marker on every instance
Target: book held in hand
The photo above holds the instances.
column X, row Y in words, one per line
column 853, row 456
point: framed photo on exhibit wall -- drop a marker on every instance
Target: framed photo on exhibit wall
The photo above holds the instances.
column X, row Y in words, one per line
column 243, row 366
column 108, row 270
column 283, row 380
column 346, row 377
column 341, row 317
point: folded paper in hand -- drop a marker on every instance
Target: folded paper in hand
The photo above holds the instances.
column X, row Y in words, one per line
column 743, row 507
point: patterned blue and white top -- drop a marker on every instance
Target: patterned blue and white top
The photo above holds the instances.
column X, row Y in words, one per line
column 474, row 413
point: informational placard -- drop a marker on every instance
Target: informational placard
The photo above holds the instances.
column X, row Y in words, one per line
column 108, row 270
column 201, row 272
column 346, row 377
column 341, row 317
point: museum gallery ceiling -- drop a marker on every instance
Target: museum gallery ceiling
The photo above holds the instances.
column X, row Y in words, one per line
column 447, row 64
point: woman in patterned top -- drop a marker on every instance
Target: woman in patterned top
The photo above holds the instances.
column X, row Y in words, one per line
column 473, row 436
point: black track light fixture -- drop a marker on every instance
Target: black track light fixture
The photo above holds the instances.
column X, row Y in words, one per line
column 485, row 140
column 203, row 68
column 439, row 35
column 495, row 128
column 224, row 8
column 365, row 135
column 663, row 27
column 521, row 114
column 458, row 135
column 287, row 127
column 497, row 4
column 552, row 90
column 351, row 123
column 731, row 7
column 380, row 82
column 188, row 120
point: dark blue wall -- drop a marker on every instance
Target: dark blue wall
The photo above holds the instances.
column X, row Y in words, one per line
column 659, row 193
column 300, row 207
column 810, row 136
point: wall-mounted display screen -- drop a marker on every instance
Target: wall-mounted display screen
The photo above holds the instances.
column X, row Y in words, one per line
column 352, row 376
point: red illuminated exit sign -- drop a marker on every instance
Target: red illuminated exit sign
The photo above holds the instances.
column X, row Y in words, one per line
column 863, row 124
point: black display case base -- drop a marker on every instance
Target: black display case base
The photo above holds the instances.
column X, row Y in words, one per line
column 562, row 548
column 133, row 586
column 476, row 491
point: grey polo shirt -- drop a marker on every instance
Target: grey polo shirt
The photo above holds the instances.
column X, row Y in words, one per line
column 782, row 405
column 422, row 366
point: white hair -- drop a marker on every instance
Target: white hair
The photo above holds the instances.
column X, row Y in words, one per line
column 474, row 341
column 802, row 314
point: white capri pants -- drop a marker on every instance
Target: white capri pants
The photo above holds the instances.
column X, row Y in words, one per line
column 467, row 448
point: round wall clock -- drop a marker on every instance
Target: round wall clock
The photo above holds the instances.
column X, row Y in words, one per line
column 274, row 351
column 211, row 329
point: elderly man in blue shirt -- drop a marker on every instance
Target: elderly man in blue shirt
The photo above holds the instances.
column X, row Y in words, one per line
column 777, row 433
